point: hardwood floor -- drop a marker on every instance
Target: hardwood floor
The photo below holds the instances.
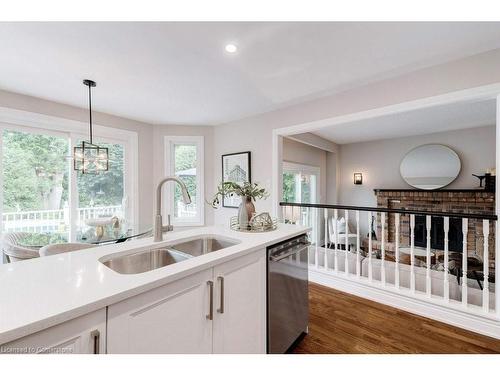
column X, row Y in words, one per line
column 343, row 323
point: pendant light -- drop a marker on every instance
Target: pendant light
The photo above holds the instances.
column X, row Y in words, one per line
column 89, row 158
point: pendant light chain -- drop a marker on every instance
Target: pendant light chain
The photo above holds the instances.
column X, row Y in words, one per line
column 90, row 112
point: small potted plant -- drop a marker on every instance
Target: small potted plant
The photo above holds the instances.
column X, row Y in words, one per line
column 249, row 192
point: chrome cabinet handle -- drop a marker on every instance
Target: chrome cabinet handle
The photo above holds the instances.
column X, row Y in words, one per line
column 221, row 307
column 95, row 335
column 210, row 315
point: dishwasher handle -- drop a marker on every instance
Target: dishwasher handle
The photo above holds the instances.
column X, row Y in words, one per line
column 289, row 253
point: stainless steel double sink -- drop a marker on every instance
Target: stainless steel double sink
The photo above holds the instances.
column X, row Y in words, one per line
column 150, row 259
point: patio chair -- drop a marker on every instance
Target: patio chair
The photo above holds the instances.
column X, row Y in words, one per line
column 14, row 251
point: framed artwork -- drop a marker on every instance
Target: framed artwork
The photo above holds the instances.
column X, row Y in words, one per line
column 235, row 168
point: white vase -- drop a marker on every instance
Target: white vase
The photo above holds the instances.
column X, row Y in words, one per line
column 246, row 211
column 243, row 214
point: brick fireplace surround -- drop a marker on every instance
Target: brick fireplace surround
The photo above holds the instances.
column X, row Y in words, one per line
column 471, row 201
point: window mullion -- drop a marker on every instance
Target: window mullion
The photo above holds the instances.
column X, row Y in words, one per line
column 73, row 192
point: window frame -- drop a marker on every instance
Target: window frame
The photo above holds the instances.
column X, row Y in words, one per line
column 128, row 182
column 169, row 157
column 72, row 130
column 292, row 167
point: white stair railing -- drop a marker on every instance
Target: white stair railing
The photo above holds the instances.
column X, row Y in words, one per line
column 378, row 261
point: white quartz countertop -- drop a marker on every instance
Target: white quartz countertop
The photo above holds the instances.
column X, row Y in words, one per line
column 39, row 293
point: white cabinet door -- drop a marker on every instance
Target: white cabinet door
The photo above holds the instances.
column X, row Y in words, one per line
column 240, row 305
column 168, row 319
column 83, row 335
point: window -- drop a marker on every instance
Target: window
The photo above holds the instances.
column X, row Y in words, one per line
column 35, row 184
column 184, row 159
column 40, row 191
column 103, row 195
column 301, row 185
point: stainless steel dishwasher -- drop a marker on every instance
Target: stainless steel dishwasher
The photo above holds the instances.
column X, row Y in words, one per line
column 287, row 293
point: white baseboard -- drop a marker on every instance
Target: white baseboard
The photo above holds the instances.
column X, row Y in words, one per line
column 428, row 309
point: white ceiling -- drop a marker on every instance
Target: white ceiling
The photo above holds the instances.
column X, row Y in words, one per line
column 179, row 72
column 454, row 116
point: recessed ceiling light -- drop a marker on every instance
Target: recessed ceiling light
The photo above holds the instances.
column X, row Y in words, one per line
column 231, row 48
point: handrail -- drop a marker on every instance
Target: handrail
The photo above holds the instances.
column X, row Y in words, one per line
column 392, row 210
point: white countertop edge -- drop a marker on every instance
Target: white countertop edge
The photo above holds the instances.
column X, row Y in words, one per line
column 249, row 242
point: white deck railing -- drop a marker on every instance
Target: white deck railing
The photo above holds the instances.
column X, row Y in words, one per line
column 396, row 264
column 42, row 221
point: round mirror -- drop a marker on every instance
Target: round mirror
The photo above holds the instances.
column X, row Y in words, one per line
column 430, row 167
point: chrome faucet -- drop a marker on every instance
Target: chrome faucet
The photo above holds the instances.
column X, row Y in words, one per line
column 159, row 228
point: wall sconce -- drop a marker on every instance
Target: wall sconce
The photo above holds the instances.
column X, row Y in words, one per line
column 358, row 179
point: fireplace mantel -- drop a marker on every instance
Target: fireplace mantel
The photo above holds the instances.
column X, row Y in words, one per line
column 477, row 190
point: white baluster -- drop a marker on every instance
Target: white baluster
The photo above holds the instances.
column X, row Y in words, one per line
column 346, row 253
column 358, row 261
column 335, row 240
column 325, row 217
column 370, row 246
column 428, row 284
column 396, row 266
column 465, row 228
column 307, row 222
column 325, row 214
column 412, row 253
column 318, row 244
column 446, row 293
column 486, row 268
column 382, row 248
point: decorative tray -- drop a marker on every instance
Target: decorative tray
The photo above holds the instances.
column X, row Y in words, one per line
column 259, row 223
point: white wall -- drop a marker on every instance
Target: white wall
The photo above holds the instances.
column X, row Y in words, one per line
column 379, row 162
column 332, row 182
column 255, row 133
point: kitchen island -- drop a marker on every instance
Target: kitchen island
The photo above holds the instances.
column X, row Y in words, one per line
column 74, row 303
